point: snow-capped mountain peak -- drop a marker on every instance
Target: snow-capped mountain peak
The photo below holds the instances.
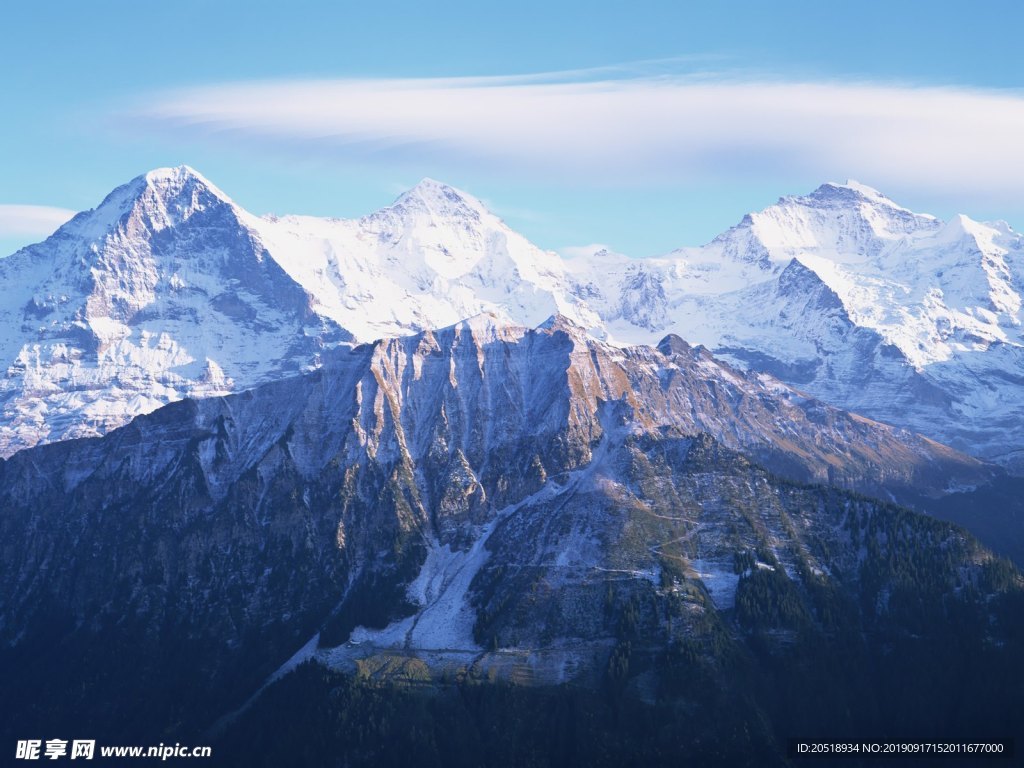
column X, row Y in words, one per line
column 451, row 228
column 961, row 228
column 848, row 222
column 160, row 292
column 841, row 223
column 157, row 200
column 169, row 196
column 175, row 175
column 439, row 200
column 851, row 192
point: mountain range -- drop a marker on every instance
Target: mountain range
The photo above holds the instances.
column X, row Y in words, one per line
column 324, row 490
column 168, row 289
column 529, row 507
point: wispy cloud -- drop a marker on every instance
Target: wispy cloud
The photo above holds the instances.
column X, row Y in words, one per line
column 628, row 129
column 31, row 220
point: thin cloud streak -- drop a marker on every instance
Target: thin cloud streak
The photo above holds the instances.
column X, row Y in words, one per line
column 31, row 220
column 643, row 129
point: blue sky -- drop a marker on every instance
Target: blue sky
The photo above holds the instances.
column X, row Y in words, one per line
column 642, row 126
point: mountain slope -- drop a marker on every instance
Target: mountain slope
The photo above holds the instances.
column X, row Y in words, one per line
column 537, row 492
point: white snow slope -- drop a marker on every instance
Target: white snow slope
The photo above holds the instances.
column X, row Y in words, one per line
column 168, row 289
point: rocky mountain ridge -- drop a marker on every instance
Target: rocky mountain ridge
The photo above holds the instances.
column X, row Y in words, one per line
column 168, row 289
column 529, row 501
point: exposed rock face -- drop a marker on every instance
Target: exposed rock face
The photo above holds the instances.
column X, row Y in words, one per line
column 428, row 486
